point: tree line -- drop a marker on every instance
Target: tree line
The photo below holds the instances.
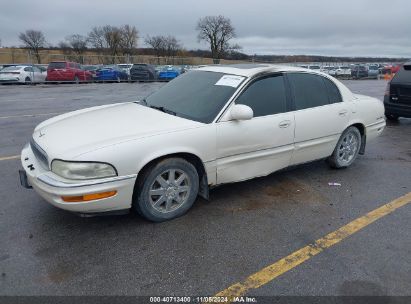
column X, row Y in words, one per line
column 113, row 41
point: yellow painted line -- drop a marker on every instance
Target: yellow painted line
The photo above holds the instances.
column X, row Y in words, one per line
column 9, row 157
column 30, row 115
column 298, row 257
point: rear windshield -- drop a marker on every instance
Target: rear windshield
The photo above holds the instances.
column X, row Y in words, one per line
column 57, row 65
column 140, row 67
column 11, row 68
column 403, row 74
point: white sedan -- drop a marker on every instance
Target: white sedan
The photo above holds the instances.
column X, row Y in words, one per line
column 214, row 125
column 22, row 74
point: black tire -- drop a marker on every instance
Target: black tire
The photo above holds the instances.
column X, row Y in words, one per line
column 76, row 80
column 27, row 80
column 392, row 117
column 169, row 207
column 336, row 160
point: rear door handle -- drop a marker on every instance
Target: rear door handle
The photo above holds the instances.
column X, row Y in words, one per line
column 284, row 124
column 342, row 112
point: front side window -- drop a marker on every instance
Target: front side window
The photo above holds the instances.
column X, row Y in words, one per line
column 308, row 90
column 265, row 96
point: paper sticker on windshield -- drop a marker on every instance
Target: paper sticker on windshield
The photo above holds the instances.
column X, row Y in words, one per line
column 230, row 81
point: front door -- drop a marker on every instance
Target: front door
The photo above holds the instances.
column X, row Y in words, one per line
column 263, row 144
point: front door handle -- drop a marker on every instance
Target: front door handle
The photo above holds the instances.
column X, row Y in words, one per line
column 342, row 112
column 284, row 124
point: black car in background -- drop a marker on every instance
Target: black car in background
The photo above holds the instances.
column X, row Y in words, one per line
column 142, row 72
column 359, row 71
column 397, row 99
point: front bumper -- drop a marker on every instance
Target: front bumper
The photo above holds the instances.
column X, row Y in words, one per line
column 51, row 187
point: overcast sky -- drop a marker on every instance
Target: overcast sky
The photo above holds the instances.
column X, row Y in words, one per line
column 324, row 27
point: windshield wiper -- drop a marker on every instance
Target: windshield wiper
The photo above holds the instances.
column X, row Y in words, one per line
column 162, row 109
column 143, row 101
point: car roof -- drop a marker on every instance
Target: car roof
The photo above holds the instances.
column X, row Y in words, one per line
column 249, row 70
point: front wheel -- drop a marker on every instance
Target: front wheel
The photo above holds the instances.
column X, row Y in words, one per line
column 167, row 190
column 347, row 149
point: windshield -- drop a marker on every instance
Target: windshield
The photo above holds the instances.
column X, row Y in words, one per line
column 57, row 65
column 196, row 95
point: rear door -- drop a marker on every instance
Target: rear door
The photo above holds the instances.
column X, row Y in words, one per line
column 320, row 116
column 263, row 144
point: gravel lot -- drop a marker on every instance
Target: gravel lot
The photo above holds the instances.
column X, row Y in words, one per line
column 243, row 228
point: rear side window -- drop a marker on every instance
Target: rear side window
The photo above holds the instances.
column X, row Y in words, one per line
column 403, row 74
column 265, row 96
column 334, row 94
column 28, row 69
column 57, row 65
column 308, row 90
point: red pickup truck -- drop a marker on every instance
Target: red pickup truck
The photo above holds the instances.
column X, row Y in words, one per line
column 64, row 71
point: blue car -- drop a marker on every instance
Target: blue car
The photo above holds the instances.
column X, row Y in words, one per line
column 111, row 73
column 168, row 73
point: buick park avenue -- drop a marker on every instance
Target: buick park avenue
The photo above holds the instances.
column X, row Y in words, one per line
column 210, row 126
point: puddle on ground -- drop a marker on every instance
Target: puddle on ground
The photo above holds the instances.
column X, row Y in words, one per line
column 242, row 196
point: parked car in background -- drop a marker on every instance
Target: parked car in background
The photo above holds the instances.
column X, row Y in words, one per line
column 168, row 73
column 208, row 127
column 343, row 71
column 373, row 71
column 65, row 71
column 92, row 69
column 359, row 71
column 126, row 67
column 22, row 74
column 397, row 99
column 111, row 73
column 314, row 68
column 142, row 72
column 330, row 70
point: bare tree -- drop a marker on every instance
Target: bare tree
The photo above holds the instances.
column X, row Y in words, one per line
column 172, row 46
column 217, row 31
column 129, row 39
column 34, row 40
column 112, row 36
column 75, row 44
column 96, row 39
column 157, row 43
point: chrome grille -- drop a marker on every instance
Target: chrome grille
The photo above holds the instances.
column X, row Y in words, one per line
column 39, row 154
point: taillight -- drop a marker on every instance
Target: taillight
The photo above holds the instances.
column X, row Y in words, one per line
column 387, row 89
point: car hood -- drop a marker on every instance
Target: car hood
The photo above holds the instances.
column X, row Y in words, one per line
column 72, row 134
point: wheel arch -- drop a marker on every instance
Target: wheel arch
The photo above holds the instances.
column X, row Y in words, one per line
column 189, row 157
column 361, row 127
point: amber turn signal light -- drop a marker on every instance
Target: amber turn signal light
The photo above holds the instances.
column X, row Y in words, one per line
column 88, row 197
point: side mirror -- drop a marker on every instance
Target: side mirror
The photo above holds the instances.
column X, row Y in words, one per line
column 241, row 112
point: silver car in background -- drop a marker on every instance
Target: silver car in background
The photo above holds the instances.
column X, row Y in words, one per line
column 22, row 74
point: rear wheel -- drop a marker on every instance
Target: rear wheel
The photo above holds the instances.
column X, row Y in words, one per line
column 27, row 80
column 167, row 190
column 392, row 117
column 347, row 149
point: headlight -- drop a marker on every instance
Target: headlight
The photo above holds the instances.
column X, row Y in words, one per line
column 82, row 170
